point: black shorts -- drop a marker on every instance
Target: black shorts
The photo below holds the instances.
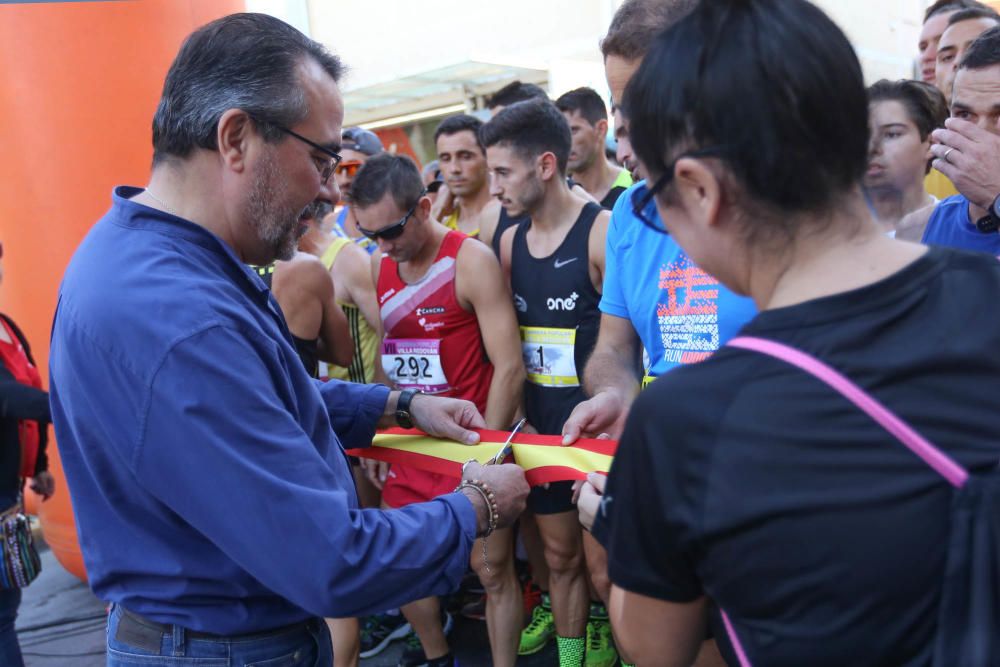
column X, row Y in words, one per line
column 556, row 499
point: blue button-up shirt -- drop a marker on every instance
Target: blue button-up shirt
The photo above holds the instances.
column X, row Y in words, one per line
column 208, row 479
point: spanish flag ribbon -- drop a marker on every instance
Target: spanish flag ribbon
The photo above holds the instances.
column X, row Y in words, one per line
column 543, row 457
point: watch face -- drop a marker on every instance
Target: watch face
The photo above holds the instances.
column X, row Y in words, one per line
column 988, row 224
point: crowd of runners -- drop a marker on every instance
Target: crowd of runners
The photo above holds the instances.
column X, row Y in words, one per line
column 592, row 303
column 764, row 223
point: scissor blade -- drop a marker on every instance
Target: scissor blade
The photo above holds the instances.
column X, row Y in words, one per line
column 506, row 449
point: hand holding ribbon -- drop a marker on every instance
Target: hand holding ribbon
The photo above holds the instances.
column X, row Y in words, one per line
column 543, row 457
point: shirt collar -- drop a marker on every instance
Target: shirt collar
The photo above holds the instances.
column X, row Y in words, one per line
column 145, row 217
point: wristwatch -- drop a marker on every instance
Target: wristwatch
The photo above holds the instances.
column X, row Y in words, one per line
column 990, row 222
column 403, row 416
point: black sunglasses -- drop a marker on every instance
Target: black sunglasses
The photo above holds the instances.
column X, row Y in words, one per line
column 641, row 199
column 395, row 230
column 328, row 166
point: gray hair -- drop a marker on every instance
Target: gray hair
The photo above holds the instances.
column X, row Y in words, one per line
column 242, row 61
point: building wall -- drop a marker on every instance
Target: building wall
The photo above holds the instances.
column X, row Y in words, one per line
column 383, row 40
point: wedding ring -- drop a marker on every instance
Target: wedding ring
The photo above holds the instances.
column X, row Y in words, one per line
column 947, row 153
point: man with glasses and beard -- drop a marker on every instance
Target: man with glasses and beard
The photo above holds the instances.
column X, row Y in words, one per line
column 216, row 508
column 450, row 330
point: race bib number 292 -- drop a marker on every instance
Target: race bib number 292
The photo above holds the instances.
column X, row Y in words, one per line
column 414, row 364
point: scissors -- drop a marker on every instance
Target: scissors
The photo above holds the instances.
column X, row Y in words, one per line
column 506, row 449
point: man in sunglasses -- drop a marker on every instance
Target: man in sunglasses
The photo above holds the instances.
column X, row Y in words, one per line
column 450, row 330
column 357, row 146
column 216, row 507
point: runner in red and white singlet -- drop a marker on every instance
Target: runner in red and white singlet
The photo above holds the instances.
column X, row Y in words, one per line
column 432, row 344
column 450, row 330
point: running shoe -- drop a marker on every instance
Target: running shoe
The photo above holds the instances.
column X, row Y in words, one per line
column 539, row 631
column 600, row 646
column 381, row 630
column 413, row 654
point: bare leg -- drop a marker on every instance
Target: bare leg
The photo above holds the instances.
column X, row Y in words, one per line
column 425, row 619
column 346, row 642
column 536, row 550
column 504, row 612
column 597, row 567
column 562, row 537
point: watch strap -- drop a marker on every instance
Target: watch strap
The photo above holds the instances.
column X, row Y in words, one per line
column 403, row 416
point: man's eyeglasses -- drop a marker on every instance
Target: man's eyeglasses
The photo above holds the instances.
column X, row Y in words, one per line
column 328, row 166
column 641, row 199
column 395, row 230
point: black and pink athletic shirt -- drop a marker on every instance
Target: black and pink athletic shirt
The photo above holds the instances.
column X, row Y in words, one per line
column 747, row 480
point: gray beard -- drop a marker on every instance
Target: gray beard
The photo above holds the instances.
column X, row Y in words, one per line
column 276, row 225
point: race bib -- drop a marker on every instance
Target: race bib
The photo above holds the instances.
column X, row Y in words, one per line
column 548, row 356
column 414, row 364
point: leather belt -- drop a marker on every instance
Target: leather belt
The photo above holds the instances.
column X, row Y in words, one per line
column 138, row 631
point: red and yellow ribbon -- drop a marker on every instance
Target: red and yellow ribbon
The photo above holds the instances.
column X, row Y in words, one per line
column 543, row 457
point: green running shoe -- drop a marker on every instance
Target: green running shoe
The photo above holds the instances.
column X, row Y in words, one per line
column 539, row 631
column 600, row 646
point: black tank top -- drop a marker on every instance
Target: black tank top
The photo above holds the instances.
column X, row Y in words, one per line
column 557, row 310
column 504, row 223
column 611, row 198
column 308, row 349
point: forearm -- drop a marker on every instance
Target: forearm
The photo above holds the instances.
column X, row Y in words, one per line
column 388, row 418
column 610, row 370
column 20, row 401
column 504, row 399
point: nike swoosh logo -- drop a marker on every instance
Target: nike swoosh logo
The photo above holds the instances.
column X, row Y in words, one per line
column 559, row 264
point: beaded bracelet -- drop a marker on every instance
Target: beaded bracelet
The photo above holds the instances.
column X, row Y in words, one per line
column 483, row 489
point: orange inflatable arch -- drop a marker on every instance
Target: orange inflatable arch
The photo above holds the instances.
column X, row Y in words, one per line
column 80, row 83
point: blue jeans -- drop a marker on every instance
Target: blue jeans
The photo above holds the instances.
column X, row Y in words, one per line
column 10, row 650
column 303, row 646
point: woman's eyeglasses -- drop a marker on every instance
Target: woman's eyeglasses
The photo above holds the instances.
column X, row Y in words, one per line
column 642, row 199
column 395, row 230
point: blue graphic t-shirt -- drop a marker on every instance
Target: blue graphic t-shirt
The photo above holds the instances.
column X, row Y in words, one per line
column 950, row 226
column 681, row 313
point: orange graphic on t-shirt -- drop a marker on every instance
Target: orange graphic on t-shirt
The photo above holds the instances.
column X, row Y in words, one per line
column 690, row 291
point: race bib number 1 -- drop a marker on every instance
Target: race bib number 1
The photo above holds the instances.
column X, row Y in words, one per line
column 548, row 356
column 414, row 364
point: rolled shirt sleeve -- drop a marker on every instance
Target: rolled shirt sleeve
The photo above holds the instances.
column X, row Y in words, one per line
column 276, row 503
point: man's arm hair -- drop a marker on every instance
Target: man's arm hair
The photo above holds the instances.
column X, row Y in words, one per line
column 480, row 282
column 612, row 364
